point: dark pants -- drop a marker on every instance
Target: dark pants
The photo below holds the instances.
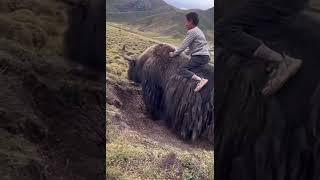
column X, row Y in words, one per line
column 235, row 32
column 195, row 62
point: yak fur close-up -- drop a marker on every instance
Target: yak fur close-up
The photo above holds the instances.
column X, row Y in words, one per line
column 171, row 97
column 86, row 28
column 269, row 137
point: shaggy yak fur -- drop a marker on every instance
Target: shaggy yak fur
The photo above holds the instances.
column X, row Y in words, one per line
column 171, row 97
column 85, row 36
column 276, row 137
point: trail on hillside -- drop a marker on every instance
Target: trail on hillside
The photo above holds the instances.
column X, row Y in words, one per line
column 137, row 119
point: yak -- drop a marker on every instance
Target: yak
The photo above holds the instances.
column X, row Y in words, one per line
column 275, row 137
column 171, row 97
column 84, row 40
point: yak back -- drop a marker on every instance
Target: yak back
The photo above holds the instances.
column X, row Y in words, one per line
column 258, row 132
column 160, row 67
column 170, row 96
column 190, row 113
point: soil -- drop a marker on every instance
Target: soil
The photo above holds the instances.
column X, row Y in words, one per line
column 137, row 119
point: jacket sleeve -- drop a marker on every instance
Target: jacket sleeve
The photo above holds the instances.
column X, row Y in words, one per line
column 191, row 35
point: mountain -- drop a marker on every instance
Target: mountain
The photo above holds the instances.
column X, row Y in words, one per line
column 157, row 16
column 118, row 6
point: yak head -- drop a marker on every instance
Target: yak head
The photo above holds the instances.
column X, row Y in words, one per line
column 134, row 70
column 155, row 54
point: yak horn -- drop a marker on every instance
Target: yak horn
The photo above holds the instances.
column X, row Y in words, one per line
column 125, row 56
column 129, row 58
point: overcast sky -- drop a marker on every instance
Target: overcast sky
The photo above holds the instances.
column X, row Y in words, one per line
column 191, row 4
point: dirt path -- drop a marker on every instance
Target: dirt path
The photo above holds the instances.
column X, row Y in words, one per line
column 138, row 120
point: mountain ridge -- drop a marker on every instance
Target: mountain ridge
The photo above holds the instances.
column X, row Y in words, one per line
column 116, row 6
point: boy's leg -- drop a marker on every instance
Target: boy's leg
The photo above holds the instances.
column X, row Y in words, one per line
column 231, row 32
column 185, row 72
column 195, row 62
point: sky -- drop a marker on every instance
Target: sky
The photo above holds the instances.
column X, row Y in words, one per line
column 191, row 4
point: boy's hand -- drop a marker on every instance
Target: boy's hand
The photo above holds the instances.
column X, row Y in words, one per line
column 171, row 54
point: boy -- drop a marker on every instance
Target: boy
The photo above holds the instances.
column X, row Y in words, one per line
column 233, row 34
column 198, row 48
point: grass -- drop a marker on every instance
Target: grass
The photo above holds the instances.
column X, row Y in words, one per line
column 15, row 152
column 30, row 26
column 165, row 20
column 130, row 154
column 116, row 38
column 34, row 24
column 141, row 37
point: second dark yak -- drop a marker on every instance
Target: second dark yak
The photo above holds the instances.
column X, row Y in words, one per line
column 171, row 97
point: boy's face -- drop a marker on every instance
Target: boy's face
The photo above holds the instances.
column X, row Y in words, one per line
column 189, row 25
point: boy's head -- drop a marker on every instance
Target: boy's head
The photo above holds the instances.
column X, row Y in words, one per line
column 192, row 20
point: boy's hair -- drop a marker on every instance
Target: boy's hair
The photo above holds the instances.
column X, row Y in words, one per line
column 193, row 17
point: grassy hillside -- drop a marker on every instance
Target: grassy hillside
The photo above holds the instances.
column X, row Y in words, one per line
column 115, row 6
column 162, row 18
column 137, row 146
column 172, row 24
column 158, row 37
column 27, row 30
column 45, row 105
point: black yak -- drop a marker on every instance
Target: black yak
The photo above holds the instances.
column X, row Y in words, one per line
column 169, row 96
column 275, row 137
column 85, row 34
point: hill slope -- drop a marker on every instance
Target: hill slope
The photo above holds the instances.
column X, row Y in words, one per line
column 45, row 120
column 161, row 18
column 116, row 6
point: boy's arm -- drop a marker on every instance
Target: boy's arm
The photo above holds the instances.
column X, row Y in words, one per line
column 187, row 51
column 186, row 42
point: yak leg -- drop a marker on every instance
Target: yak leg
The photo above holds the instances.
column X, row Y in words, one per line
column 152, row 97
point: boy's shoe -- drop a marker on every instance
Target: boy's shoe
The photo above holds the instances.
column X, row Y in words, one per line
column 201, row 84
column 285, row 69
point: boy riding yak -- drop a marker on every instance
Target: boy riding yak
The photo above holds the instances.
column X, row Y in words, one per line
column 198, row 48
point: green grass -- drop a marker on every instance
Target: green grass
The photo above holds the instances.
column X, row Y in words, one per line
column 116, row 38
column 131, row 156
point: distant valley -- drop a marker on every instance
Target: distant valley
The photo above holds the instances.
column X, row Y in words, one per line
column 156, row 16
